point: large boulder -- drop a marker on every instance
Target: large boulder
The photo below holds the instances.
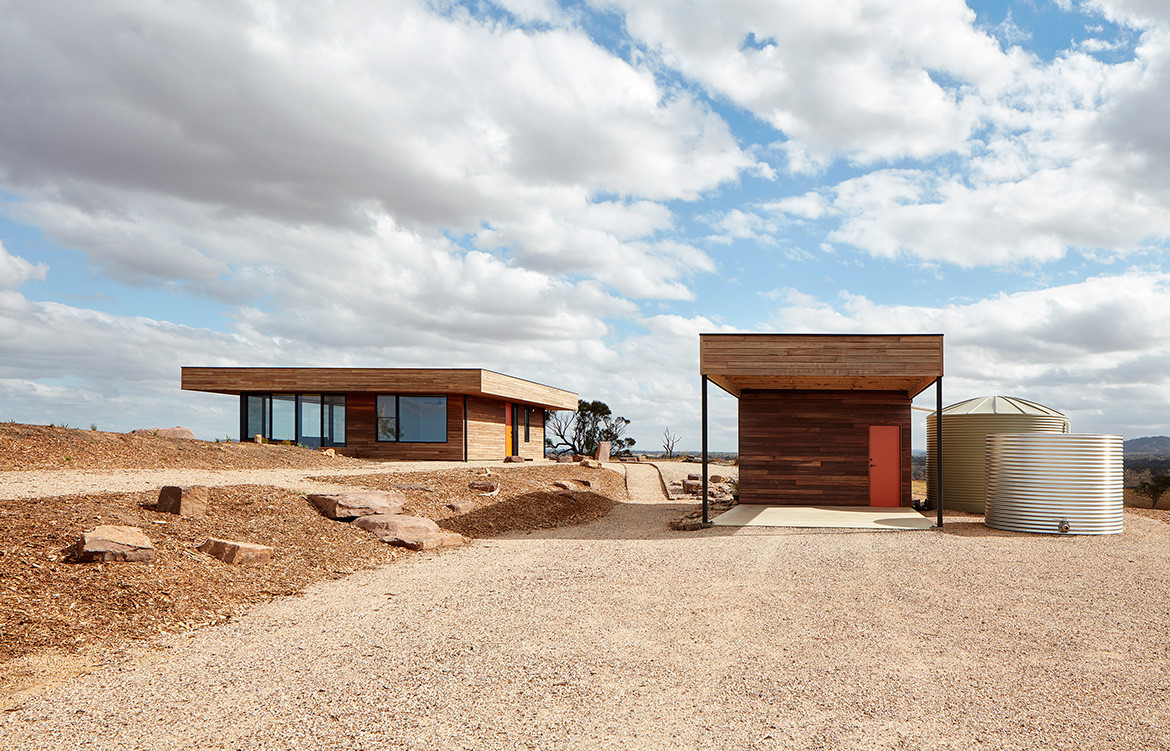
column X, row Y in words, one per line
column 236, row 553
column 175, row 432
column 692, row 486
column 109, row 543
column 513, row 459
column 189, row 501
column 353, row 504
column 591, row 464
column 414, row 532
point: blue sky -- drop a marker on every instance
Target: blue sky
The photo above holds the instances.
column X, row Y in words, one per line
column 573, row 192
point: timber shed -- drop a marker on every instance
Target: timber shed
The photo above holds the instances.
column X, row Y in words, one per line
column 453, row 414
column 824, row 419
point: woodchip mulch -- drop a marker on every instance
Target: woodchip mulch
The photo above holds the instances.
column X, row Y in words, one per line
column 38, row 447
column 51, row 607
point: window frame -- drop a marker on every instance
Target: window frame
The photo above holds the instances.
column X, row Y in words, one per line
column 398, row 418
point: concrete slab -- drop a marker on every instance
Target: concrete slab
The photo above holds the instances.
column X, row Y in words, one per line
column 832, row 517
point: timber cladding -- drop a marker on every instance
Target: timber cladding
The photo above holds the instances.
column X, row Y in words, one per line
column 810, row 448
column 361, row 434
column 879, row 362
column 472, row 381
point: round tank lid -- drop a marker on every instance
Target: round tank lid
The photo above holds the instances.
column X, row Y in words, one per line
column 1000, row 405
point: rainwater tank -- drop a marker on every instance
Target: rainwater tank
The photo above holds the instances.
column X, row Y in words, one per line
column 966, row 426
column 1053, row 483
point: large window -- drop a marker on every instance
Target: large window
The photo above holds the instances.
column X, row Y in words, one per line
column 412, row 419
column 312, row 420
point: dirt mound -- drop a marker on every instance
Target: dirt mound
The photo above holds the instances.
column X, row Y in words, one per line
column 31, row 447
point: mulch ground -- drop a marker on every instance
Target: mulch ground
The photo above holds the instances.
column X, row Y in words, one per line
column 49, row 605
column 28, row 447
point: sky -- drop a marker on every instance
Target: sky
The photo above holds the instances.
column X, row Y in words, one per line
column 572, row 192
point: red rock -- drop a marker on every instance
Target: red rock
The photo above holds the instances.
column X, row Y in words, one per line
column 591, row 464
column 414, row 532
column 108, row 543
column 692, row 486
column 236, row 553
column 189, row 501
column 487, row 487
column 359, row 503
column 602, row 453
column 513, row 459
column 716, row 478
column 462, row 507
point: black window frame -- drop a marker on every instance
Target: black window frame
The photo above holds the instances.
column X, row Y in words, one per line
column 398, row 416
column 266, row 415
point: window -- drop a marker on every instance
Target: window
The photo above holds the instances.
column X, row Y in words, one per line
column 527, row 424
column 309, row 419
column 411, row 419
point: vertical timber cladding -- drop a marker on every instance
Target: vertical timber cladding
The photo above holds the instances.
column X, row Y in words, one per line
column 810, row 448
column 361, row 433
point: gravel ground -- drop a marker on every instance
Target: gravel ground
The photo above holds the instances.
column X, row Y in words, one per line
column 53, row 482
column 621, row 634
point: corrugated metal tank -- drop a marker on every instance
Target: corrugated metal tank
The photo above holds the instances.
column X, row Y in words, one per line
column 966, row 425
column 1054, row 484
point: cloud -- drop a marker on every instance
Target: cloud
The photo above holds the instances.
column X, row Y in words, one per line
column 868, row 81
column 15, row 271
column 1094, row 349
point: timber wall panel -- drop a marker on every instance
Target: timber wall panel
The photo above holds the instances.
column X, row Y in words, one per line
column 534, row 447
column 812, row 447
column 361, row 433
column 485, row 429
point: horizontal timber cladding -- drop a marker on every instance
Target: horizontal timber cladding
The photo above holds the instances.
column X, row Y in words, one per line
column 901, row 362
column 485, row 429
column 361, row 433
column 473, row 381
column 533, row 448
column 811, row 448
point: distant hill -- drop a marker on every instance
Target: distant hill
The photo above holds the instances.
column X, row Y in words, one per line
column 1158, row 445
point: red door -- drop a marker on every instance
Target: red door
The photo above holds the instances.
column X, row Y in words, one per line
column 885, row 465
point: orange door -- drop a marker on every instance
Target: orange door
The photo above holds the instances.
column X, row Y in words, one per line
column 509, row 446
column 885, row 465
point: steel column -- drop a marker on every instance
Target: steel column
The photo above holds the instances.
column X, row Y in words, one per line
column 938, row 442
column 706, row 520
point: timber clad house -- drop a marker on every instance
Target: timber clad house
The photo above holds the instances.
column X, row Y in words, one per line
column 454, row 414
column 823, row 418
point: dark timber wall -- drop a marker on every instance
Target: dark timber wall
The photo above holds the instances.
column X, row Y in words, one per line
column 808, row 448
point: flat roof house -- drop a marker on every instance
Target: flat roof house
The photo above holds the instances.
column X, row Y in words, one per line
column 457, row 414
column 824, row 419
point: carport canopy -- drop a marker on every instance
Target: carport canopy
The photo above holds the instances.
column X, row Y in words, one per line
column 821, row 362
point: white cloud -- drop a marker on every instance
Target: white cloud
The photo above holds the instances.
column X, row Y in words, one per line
column 852, row 79
column 15, row 271
column 1096, row 349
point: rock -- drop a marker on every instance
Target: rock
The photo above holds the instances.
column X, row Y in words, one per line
column 513, row 459
column 235, row 553
column 258, row 438
column 329, row 452
column 564, row 459
column 486, row 487
column 359, row 503
column 112, row 543
column 591, row 464
column 578, row 457
column 692, row 486
column 721, row 478
column 189, row 501
column 694, row 477
column 483, row 471
column 462, row 507
column 414, row 532
column 602, row 453
column 165, row 432
column 573, row 484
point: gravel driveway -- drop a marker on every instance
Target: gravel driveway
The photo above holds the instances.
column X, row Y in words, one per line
column 622, row 634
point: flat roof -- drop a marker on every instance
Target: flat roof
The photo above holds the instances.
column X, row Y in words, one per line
column 471, row 381
column 821, row 362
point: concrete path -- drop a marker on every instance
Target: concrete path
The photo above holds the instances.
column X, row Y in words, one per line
column 622, row 634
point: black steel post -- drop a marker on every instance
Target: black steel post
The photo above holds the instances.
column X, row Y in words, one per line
column 938, row 443
column 705, row 519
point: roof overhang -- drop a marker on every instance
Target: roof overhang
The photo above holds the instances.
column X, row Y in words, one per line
column 470, row 381
column 821, row 362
